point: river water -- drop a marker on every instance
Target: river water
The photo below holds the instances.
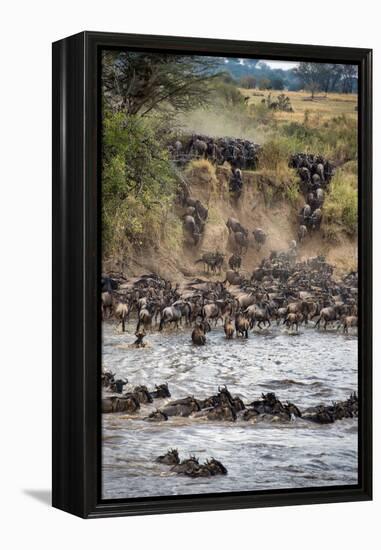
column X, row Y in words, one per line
column 307, row 369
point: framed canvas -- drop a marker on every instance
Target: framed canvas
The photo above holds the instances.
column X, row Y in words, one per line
column 212, row 289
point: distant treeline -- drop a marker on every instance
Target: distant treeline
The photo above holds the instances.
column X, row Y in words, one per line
column 325, row 77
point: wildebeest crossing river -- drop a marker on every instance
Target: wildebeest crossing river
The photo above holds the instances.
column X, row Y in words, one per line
column 307, row 369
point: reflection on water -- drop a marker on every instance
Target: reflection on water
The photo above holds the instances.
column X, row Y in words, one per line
column 307, row 369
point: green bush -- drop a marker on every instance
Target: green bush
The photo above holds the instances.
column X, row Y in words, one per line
column 335, row 139
column 137, row 183
column 275, row 154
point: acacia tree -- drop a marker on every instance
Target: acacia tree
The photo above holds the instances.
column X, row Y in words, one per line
column 311, row 76
column 249, row 82
column 349, row 73
column 138, row 83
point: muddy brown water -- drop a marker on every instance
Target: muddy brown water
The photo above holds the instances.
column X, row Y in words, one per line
column 307, row 369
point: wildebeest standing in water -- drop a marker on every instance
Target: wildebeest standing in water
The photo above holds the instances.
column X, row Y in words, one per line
column 228, row 328
column 121, row 313
column 242, row 325
column 107, row 304
column 199, row 333
column 171, row 314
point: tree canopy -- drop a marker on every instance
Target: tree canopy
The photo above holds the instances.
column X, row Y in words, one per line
column 138, row 83
column 326, row 77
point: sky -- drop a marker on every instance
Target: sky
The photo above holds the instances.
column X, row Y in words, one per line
column 280, row 64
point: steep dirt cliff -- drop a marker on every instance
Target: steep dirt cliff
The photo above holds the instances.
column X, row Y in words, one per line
column 264, row 203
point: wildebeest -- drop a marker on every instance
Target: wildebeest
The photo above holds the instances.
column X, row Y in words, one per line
column 316, row 218
column 235, row 261
column 222, row 412
column 212, row 261
column 161, row 390
column 236, row 183
column 216, row 467
column 327, row 414
column 201, row 210
column 140, row 334
column 171, row 458
column 108, row 284
column 190, row 224
column 212, row 311
column 145, row 316
column 233, row 278
column 127, row 403
column 192, row 468
column 320, row 171
column 293, row 320
column 302, row 232
column 316, row 181
column 192, row 228
column 107, row 304
column 259, row 315
column 121, row 313
column 245, row 299
column 242, row 242
column 260, row 237
column 171, row 314
column 186, row 465
column 280, row 313
column 349, row 321
column 198, row 335
column 142, row 394
column 305, row 212
column 199, row 148
column 242, row 325
column 320, row 196
column 234, row 226
column 327, row 315
column 117, row 385
column 300, row 306
column 182, row 407
column 228, row 328
column 157, row 416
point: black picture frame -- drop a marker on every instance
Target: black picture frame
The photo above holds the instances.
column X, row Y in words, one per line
column 76, row 259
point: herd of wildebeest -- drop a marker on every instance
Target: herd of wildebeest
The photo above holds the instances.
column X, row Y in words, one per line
column 281, row 290
column 222, row 406
column 239, row 153
column 314, row 173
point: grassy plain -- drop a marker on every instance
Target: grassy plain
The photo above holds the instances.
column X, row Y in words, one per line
column 322, row 106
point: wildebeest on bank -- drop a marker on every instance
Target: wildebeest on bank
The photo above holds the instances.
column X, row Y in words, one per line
column 212, row 261
column 239, row 153
column 260, row 237
column 315, row 173
column 235, row 261
column 280, row 289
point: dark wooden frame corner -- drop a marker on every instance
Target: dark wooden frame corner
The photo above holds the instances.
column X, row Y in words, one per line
column 76, row 228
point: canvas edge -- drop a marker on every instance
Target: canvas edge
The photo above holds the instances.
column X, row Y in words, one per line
column 75, row 434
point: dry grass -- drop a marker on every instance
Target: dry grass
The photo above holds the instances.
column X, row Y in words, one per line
column 341, row 205
column 322, row 107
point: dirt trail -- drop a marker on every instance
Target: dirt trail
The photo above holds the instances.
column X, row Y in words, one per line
column 260, row 205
